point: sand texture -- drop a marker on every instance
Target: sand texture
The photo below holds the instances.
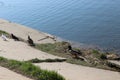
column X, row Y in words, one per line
column 23, row 32
column 21, row 51
column 6, row 74
column 77, row 72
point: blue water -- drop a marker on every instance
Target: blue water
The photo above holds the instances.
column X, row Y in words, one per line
column 93, row 22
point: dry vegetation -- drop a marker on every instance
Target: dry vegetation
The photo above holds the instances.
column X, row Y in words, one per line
column 92, row 58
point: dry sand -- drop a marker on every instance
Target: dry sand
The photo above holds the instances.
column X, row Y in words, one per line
column 23, row 32
column 6, row 74
column 21, row 51
column 77, row 72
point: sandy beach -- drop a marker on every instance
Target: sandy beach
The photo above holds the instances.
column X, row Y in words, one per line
column 23, row 32
column 21, row 51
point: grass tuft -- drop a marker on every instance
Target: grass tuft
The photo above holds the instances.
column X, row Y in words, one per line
column 5, row 33
column 28, row 69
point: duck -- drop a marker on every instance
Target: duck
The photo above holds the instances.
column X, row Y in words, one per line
column 73, row 52
column 14, row 37
column 30, row 41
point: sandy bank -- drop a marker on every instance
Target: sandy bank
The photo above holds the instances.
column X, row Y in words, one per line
column 21, row 51
column 23, row 32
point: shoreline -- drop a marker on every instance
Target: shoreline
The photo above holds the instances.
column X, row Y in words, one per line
column 21, row 51
column 43, row 35
column 90, row 46
column 42, row 38
column 23, row 32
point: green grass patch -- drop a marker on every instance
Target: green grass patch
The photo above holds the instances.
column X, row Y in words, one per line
column 78, row 62
column 28, row 69
column 46, row 47
column 58, row 49
column 99, row 55
column 5, row 33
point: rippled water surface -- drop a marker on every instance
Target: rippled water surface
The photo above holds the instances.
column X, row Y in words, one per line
column 94, row 22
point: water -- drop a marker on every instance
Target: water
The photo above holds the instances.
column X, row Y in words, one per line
column 92, row 22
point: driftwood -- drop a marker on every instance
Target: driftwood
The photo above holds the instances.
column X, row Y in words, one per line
column 113, row 65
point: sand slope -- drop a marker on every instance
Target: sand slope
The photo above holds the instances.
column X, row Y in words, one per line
column 21, row 51
column 23, row 32
column 6, row 74
column 77, row 72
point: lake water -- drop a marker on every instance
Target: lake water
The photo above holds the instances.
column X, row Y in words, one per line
column 92, row 22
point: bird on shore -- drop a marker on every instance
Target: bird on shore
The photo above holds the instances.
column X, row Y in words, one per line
column 73, row 52
column 14, row 37
column 30, row 41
